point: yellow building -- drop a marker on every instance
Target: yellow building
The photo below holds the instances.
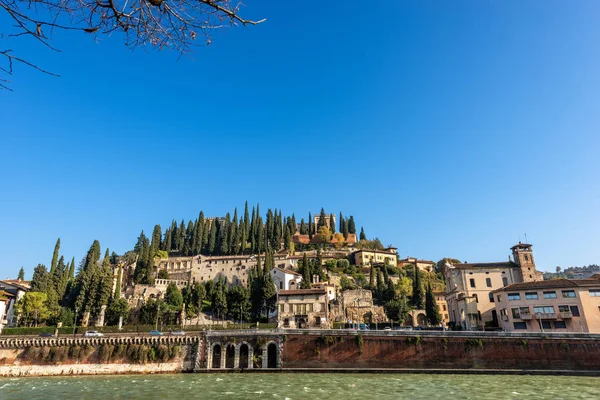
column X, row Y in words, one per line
column 368, row 257
column 558, row 305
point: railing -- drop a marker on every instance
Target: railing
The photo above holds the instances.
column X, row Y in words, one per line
column 526, row 316
column 545, row 315
column 566, row 314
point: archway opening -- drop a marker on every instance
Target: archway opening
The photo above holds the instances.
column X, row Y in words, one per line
column 230, row 356
column 216, row 356
column 272, row 356
column 244, row 356
column 421, row 320
column 257, row 359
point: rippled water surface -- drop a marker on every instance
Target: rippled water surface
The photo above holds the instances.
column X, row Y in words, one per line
column 302, row 386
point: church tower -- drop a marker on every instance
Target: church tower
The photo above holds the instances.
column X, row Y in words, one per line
column 523, row 257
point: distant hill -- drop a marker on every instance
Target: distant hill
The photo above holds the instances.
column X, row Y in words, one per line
column 573, row 272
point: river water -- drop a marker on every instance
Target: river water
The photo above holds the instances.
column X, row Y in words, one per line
column 301, row 386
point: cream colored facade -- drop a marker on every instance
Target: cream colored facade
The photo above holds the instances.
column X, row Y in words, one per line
column 440, row 299
column 367, row 257
column 422, row 265
column 469, row 287
column 560, row 305
column 302, row 308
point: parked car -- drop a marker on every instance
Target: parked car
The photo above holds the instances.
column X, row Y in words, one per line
column 93, row 334
column 155, row 333
column 178, row 333
column 46, row 335
column 387, row 328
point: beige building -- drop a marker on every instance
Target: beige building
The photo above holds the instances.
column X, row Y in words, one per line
column 367, row 257
column 302, row 308
column 469, row 287
column 440, row 299
column 423, row 265
column 558, row 305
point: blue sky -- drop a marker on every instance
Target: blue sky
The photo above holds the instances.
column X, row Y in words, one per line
column 448, row 129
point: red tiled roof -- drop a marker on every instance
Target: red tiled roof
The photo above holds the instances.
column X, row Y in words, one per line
column 288, row 271
column 551, row 284
column 299, row 292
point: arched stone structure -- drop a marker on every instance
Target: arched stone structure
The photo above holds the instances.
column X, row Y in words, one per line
column 215, row 356
column 244, row 356
column 231, row 356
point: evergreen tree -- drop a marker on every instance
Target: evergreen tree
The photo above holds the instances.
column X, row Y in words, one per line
column 223, row 235
column 55, row 256
column 351, row 225
column 306, row 273
column 173, row 297
column 310, row 226
column 117, row 294
column 60, row 278
column 219, row 303
column 293, row 227
column 341, row 224
column 246, row 224
column 181, row 231
column 431, row 309
column 269, row 292
column 362, row 234
column 417, row 294
column 332, row 223
column 212, row 238
column 344, row 229
column 287, row 238
column 238, row 303
column 322, row 219
column 21, row 276
column 156, row 238
column 72, row 269
column 303, row 228
column 372, row 278
column 40, row 282
column 233, row 228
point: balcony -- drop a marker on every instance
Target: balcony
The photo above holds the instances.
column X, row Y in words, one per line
column 545, row 315
column 566, row 314
column 526, row 316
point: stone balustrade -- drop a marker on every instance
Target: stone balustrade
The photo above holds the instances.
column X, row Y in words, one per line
column 24, row 342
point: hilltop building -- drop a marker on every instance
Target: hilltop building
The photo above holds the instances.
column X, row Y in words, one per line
column 11, row 291
column 469, row 286
column 422, row 265
column 368, row 257
column 303, row 308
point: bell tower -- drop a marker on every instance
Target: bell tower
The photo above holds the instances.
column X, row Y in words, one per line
column 523, row 257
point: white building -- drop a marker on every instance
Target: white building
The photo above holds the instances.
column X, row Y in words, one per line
column 15, row 291
column 285, row 279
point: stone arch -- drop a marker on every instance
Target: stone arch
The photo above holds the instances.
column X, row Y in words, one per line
column 421, row 319
column 408, row 321
column 215, row 353
column 272, row 355
column 257, row 359
column 244, row 356
column 230, row 355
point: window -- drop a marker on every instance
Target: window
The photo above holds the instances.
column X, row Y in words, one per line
column 499, row 297
column 546, row 325
column 520, row 325
column 514, row 296
column 524, row 310
column 476, row 298
column 531, row 296
column 563, row 309
column 543, row 310
column 515, row 313
column 491, row 297
column 504, row 281
column 550, row 295
column 488, row 282
column 280, row 285
column 569, row 294
column 574, row 311
column 472, row 282
column 560, row 325
column 594, row 292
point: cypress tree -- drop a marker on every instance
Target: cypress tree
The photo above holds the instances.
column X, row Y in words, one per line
column 332, row 224
column 351, row 225
column 322, row 219
column 310, row 226
column 345, row 229
column 174, row 235
column 21, row 276
column 293, row 226
column 156, row 238
column 72, row 269
column 362, row 234
column 224, row 235
column 240, row 241
column 181, row 236
column 233, row 228
column 303, row 228
column 306, row 273
column 341, row 224
column 40, row 282
column 117, row 294
column 260, row 239
column 246, row 223
column 212, row 238
column 417, row 295
column 372, row 278
column 431, row 309
column 197, row 242
column 55, row 256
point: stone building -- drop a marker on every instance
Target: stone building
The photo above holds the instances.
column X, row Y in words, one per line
column 357, row 306
column 469, row 286
column 285, row 279
column 317, row 218
column 368, row 257
column 303, row 308
column 440, row 299
column 422, row 265
column 15, row 290
column 558, row 305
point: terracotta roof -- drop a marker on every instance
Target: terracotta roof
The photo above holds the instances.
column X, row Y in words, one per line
column 17, row 284
column 411, row 260
column 506, row 264
column 551, row 284
column 288, row 271
column 299, row 292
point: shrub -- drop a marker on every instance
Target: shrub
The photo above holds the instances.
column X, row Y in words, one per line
column 474, row 343
column 105, row 353
column 162, row 353
column 359, row 343
column 74, row 351
column 413, row 340
column 59, row 354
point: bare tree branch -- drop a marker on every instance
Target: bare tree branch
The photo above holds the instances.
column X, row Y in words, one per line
column 158, row 24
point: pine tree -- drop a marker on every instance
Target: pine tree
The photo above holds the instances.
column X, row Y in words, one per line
column 362, row 234
column 431, row 309
column 55, row 256
column 21, row 276
column 40, row 282
column 351, row 225
column 417, row 295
